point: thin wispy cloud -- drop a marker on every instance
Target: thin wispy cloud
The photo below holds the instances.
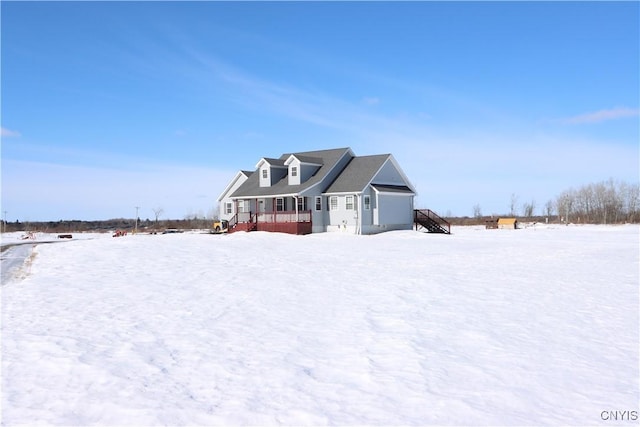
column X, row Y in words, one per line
column 8, row 133
column 371, row 100
column 602, row 116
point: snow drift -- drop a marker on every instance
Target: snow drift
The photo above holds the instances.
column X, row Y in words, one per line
column 503, row 327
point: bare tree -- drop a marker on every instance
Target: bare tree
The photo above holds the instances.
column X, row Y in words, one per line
column 528, row 208
column 564, row 204
column 157, row 212
column 632, row 198
column 477, row 211
column 513, row 204
column 548, row 208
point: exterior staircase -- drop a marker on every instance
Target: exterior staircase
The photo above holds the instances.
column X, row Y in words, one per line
column 236, row 225
column 431, row 221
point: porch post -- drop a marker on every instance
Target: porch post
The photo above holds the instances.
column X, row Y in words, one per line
column 296, row 202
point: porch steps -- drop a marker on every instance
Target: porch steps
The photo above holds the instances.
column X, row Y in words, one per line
column 235, row 225
column 431, row 221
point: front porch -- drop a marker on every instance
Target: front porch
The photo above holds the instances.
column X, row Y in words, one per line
column 291, row 222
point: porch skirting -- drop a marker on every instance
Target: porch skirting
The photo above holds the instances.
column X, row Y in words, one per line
column 285, row 227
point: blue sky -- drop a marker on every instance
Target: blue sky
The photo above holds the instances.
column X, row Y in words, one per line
column 111, row 105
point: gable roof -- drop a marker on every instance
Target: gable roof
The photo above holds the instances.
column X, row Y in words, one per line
column 362, row 171
column 358, row 174
column 270, row 162
column 235, row 179
column 304, row 159
column 401, row 189
column 329, row 158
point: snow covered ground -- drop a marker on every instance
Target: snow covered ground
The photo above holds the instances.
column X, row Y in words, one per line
column 502, row 327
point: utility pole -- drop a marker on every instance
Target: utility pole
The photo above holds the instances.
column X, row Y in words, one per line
column 136, row 230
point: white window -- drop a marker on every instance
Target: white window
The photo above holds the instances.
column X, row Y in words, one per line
column 228, row 208
column 367, row 203
column 265, row 173
column 243, row 206
column 294, row 171
column 333, row 203
column 318, row 203
column 302, row 203
column 349, row 203
column 280, row 207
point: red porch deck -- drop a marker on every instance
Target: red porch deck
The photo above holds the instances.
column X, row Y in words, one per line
column 290, row 222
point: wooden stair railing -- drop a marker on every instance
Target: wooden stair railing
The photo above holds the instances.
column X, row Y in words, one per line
column 431, row 221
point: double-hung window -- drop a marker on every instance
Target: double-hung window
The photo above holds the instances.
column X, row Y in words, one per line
column 302, row 203
column 228, row 208
column 349, row 203
column 280, row 204
column 318, row 203
column 367, row 203
column 333, row 203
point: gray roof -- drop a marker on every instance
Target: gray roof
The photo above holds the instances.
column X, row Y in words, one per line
column 392, row 188
column 274, row 162
column 251, row 187
column 358, row 174
column 309, row 159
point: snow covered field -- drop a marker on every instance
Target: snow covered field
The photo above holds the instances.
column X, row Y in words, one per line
column 501, row 327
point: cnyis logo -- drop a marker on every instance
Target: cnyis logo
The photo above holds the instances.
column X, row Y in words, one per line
column 619, row 415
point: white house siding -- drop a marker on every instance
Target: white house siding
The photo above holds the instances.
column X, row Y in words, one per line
column 295, row 180
column 239, row 180
column 388, row 174
column 343, row 219
column 318, row 218
column 366, row 220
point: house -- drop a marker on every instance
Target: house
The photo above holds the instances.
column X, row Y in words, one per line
column 318, row 191
column 508, row 223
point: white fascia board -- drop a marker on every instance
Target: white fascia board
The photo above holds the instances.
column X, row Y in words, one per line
column 267, row 196
column 400, row 171
column 231, row 184
column 402, row 174
column 343, row 193
column 394, row 193
column 263, row 160
column 293, row 157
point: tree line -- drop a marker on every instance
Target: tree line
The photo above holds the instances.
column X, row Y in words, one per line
column 606, row 202
column 144, row 225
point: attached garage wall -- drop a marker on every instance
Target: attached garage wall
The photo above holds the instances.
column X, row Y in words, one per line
column 394, row 212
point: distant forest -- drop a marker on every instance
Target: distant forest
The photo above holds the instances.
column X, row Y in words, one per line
column 109, row 225
column 606, row 202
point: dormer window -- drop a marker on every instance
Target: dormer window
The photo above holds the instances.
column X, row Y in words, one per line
column 265, row 173
column 301, row 168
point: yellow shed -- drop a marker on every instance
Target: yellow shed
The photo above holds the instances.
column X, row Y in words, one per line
column 509, row 223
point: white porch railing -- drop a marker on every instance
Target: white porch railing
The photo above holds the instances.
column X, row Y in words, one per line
column 284, row 216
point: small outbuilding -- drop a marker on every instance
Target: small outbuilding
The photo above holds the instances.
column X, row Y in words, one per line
column 508, row 223
column 491, row 224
